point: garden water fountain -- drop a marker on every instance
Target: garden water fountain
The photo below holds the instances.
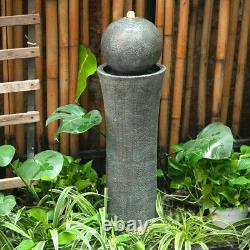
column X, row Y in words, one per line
column 131, row 84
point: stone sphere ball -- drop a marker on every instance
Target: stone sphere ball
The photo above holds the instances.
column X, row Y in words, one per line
column 131, row 45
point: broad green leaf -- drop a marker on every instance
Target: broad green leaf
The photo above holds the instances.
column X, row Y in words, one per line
column 66, row 237
column 216, row 199
column 7, row 203
column 244, row 149
column 39, row 214
column 177, row 184
column 40, row 245
column 176, row 168
column 26, row 245
column 7, row 153
column 74, row 119
column 89, row 171
column 122, row 238
column 213, row 142
column 87, row 67
column 139, row 245
column 177, row 147
column 159, row 173
column 229, row 194
column 47, row 164
column 243, row 163
column 83, row 184
column 65, row 111
column 240, row 181
column 206, row 204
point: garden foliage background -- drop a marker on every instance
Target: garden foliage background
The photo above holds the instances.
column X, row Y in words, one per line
column 205, row 51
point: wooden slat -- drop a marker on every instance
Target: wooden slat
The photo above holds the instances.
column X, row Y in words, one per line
column 8, row 54
column 21, row 118
column 19, row 20
column 9, row 183
column 17, row 86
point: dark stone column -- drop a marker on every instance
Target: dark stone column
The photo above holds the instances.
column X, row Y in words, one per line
column 131, row 110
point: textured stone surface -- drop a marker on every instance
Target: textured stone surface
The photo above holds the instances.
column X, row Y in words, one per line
column 131, row 111
column 131, row 45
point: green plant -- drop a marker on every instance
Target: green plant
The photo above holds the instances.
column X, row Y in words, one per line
column 83, row 176
column 7, row 203
column 70, row 222
column 45, row 165
column 245, row 238
column 181, row 229
column 75, row 119
column 87, row 67
column 7, row 153
column 209, row 172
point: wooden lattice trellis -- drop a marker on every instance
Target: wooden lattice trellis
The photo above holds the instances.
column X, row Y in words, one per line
column 31, row 116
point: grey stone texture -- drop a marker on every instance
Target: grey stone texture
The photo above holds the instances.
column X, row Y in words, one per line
column 131, row 45
column 131, row 111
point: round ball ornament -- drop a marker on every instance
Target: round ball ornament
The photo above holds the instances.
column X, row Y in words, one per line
column 131, row 45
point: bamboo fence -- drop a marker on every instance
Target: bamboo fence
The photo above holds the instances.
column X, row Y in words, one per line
column 181, row 49
column 205, row 50
column 204, row 54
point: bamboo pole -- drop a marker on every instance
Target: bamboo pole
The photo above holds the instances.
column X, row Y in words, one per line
column 39, row 75
column 52, row 66
column 73, row 62
column 202, row 85
column 140, row 8
column 5, row 74
column 85, row 40
column 105, row 14
column 234, row 12
column 241, row 67
column 190, row 68
column 128, row 6
column 19, row 75
column 179, row 70
column 85, row 23
column 105, row 23
column 166, row 86
column 159, row 18
column 10, row 44
column 63, row 65
column 223, row 25
column 118, row 6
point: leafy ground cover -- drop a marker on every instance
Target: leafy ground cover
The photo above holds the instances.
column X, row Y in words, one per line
column 68, row 208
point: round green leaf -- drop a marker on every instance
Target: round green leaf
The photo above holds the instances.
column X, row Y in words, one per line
column 214, row 142
column 66, row 238
column 45, row 165
column 25, row 245
column 7, row 203
column 7, row 153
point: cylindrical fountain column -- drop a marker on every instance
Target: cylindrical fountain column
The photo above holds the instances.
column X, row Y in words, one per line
column 131, row 85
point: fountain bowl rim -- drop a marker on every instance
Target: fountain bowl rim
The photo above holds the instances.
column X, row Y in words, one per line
column 101, row 71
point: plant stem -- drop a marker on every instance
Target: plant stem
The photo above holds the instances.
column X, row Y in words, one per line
column 30, row 187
